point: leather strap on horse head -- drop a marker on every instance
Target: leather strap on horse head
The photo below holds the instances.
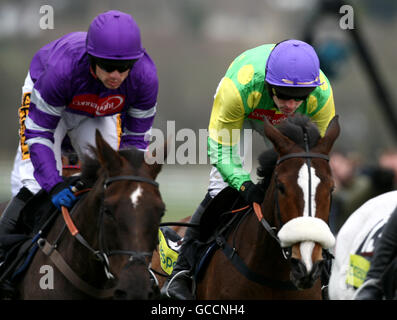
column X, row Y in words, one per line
column 265, row 224
column 64, row 268
column 50, row 251
column 99, row 254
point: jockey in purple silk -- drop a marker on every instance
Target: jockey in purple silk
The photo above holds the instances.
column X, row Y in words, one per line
column 101, row 79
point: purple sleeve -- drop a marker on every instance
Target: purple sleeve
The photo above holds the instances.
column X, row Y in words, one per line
column 44, row 164
column 139, row 117
column 47, row 103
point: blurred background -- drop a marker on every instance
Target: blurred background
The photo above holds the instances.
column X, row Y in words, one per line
column 193, row 42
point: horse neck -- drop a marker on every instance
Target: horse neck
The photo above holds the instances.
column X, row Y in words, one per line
column 268, row 208
column 268, row 205
column 85, row 218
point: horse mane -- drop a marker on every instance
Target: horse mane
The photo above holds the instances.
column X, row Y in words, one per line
column 91, row 166
column 294, row 128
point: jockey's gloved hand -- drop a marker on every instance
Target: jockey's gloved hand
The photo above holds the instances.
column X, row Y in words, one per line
column 62, row 195
column 251, row 192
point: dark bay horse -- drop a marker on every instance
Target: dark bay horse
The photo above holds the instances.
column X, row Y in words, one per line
column 282, row 253
column 111, row 233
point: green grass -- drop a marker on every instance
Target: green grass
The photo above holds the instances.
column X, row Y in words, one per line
column 182, row 189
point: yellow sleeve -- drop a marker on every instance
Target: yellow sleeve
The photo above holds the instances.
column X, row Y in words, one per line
column 326, row 111
column 226, row 121
column 325, row 115
column 227, row 114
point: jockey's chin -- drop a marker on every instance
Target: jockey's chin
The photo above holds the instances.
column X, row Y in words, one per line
column 111, row 84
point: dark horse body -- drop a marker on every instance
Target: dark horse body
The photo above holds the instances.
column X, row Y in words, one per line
column 301, row 224
column 118, row 219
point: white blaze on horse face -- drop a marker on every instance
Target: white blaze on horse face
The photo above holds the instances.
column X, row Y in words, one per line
column 306, row 249
column 303, row 182
column 135, row 196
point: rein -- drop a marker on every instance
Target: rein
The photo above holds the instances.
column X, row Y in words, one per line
column 135, row 257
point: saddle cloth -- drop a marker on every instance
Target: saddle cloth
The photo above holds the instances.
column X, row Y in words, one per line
column 169, row 246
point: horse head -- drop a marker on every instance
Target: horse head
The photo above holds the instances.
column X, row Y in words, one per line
column 301, row 189
column 130, row 212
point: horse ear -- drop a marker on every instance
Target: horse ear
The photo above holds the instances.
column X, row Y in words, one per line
column 154, row 161
column 107, row 156
column 325, row 144
column 281, row 143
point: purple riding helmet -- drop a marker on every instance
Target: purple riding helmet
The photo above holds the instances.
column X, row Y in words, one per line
column 114, row 35
column 293, row 68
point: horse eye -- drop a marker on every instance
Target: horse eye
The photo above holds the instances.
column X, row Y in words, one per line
column 281, row 187
column 162, row 212
column 108, row 212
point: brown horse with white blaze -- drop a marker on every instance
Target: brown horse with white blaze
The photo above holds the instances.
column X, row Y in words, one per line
column 284, row 264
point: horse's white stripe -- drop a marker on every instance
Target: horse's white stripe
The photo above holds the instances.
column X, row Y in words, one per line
column 135, row 196
column 306, row 249
column 303, row 182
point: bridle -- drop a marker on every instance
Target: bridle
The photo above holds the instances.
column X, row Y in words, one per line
column 103, row 253
column 135, row 257
column 308, row 156
column 231, row 253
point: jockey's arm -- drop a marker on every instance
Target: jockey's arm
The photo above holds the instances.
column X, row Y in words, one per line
column 226, row 122
column 321, row 106
column 46, row 106
column 138, row 119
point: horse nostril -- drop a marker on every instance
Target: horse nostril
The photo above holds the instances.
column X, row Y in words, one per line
column 298, row 268
column 120, row 294
column 317, row 269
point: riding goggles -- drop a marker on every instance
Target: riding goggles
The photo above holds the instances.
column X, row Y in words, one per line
column 283, row 96
column 112, row 65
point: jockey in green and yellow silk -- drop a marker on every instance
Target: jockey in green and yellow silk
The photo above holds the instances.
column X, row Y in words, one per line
column 243, row 96
column 272, row 81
